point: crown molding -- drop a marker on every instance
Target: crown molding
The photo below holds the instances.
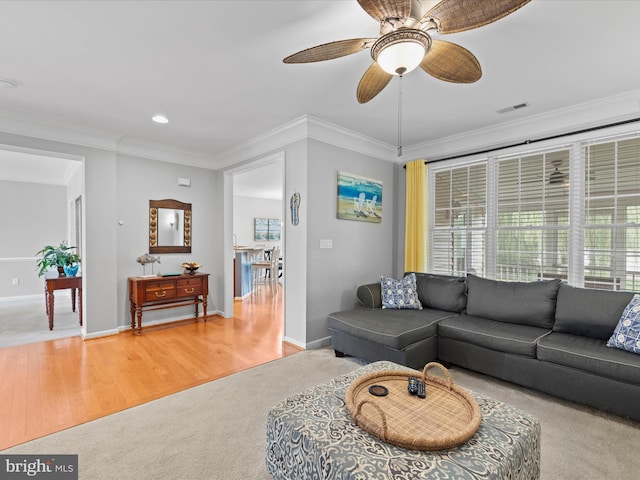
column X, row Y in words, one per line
column 20, row 124
column 164, row 153
column 327, row 132
column 303, row 128
column 586, row 115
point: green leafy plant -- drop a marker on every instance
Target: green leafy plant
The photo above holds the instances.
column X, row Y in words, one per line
column 56, row 256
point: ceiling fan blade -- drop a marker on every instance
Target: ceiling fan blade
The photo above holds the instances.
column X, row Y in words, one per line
column 451, row 63
column 328, row 51
column 382, row 9
column 460, row 15
column 372, row 83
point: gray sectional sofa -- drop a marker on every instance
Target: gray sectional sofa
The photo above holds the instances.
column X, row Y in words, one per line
column 545, row 335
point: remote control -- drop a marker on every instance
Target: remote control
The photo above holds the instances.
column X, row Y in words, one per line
column 422, row 389
column 413, row 385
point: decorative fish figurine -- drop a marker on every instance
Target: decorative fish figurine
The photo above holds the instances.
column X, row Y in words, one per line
column 146, row 258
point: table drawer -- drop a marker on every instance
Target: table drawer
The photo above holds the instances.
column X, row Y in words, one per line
column 189, row 287
column 159, row 291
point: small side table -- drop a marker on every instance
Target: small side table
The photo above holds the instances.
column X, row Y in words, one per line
column 62, row 283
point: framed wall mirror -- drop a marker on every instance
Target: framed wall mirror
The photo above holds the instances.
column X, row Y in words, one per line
column 169, row 226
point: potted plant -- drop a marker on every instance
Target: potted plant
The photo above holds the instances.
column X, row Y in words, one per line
column 62, row 257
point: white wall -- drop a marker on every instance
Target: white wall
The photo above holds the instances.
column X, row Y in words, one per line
column 245, row 209
column 33, row 215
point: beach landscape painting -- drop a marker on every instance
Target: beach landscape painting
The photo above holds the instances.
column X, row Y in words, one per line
column 359, row 198
column 266, row 229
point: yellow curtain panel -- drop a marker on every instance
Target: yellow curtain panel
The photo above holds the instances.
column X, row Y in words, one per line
column 416, row 241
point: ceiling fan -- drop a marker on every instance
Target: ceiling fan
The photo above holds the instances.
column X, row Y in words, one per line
column 406, row 42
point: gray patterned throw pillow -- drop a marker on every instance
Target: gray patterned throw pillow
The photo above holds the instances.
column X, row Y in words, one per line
column 626, row 336
column 400, row 293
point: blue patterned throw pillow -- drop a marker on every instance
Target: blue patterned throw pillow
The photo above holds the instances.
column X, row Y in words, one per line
column 626, row 336
column 400, row 293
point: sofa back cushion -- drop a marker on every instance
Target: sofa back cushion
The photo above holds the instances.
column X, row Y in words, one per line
column 525, row 303
column 589, row 312
column 441, row 292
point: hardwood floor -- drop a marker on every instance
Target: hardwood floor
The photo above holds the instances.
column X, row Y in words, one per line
column 50, row 386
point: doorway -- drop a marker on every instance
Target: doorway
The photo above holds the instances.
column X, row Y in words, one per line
column 48, row 188
column 255, row 196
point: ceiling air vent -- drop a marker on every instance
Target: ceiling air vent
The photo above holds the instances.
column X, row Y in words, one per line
column 513, row 107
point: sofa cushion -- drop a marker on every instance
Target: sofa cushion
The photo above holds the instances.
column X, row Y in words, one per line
column 626, row 336
column 492, row 334
column 400, row 294
column 441, row 292
column 589, row 312
column 370, row 295
column 590, row 355
column 394, row 328
column 525, row 303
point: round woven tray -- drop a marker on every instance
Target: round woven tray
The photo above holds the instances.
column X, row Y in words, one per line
column 446, row 418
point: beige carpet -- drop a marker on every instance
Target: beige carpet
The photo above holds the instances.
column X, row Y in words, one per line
column 217, row 430
column 24, row 320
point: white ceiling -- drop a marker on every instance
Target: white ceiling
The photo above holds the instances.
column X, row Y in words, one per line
column 215, row 68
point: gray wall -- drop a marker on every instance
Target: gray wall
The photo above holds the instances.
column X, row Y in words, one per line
column 33, row 215
column 361, row 252
column 99, row 236
column 318, row 281
column 140, row 180
column 118, row 187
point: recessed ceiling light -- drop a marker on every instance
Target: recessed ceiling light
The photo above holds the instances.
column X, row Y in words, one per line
column 160, row 119
column 7, row 84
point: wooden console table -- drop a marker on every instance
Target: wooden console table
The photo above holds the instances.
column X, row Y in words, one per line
column 62, row 283
column 158, row 293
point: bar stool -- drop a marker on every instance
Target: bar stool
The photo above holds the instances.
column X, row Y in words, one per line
column 265, row 272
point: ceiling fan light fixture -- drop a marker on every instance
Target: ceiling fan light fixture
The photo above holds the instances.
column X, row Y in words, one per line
column 401, row 51
column 556, row 177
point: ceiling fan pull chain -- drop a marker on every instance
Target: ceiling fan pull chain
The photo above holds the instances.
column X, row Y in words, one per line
column 400, row 116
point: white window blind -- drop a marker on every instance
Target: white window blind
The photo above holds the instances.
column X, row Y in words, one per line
column 523, row 217
column 612, row 215
column 459, row 222
column 532, row 216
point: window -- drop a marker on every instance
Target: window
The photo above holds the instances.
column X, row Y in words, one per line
column 570, row 212
column 533, row 217
column 612, row 215
column 460, row 220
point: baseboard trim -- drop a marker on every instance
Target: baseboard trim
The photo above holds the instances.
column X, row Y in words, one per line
column 104, row 333
column 320, row 343
column 164, row 321
column 294, row 342
column 26, row 298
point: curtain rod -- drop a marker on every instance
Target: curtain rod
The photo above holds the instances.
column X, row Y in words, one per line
column 529, row 142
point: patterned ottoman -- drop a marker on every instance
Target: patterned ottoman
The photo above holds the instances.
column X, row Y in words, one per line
column 311, row 436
